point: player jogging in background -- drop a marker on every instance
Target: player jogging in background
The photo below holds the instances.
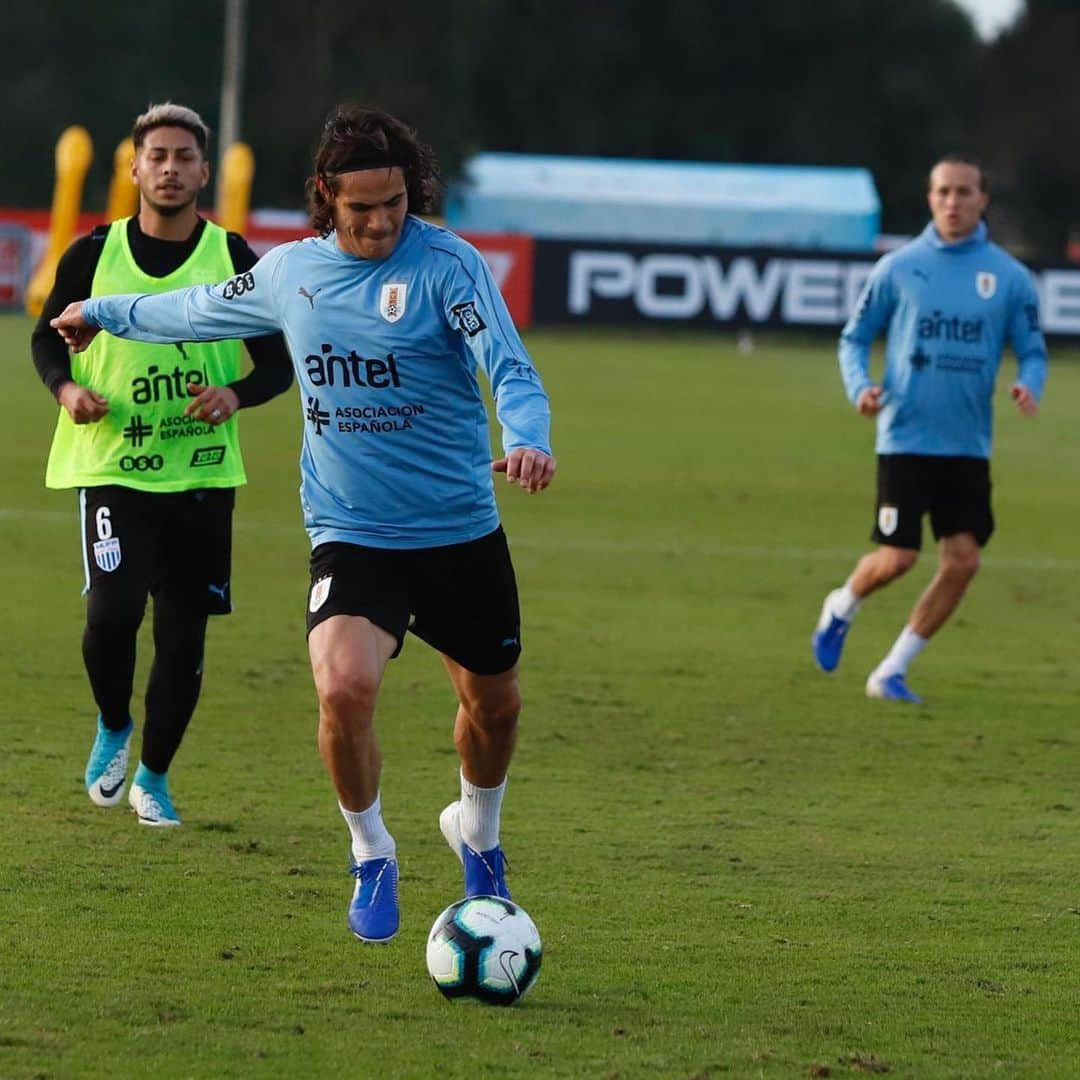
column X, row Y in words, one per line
column 388, row 319
column 148, row 436
column 948, row 301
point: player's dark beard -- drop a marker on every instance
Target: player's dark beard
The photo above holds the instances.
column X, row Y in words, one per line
column 167, row 211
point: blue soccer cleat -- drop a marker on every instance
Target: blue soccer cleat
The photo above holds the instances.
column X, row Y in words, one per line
column 153, row 805
column 373, row 914
column 891, row 688
column 106, row 769
column 485, row 871
column 828, row 638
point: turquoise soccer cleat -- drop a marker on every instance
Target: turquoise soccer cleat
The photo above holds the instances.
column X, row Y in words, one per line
column 106, row 769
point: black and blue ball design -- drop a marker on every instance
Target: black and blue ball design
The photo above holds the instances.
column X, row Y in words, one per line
column 484, row 949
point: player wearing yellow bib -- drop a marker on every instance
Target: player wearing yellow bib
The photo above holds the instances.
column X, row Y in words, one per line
column 148, row 436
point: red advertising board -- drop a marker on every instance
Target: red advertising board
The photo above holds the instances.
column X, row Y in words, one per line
column 510, row 257
column 14, row 263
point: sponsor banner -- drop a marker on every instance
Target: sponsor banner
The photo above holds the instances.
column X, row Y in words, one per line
column 15, row 264
column 613, row 284
column 510, row 257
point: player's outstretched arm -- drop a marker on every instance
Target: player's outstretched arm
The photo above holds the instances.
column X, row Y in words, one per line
column 73, row 327
column 531, row 470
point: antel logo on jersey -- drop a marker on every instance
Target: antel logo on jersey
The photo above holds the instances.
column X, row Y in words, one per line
column 142, row 463
column 392, row 300
column 351, row 370
column 940, row 327
column 688, row 286
column 158, row 385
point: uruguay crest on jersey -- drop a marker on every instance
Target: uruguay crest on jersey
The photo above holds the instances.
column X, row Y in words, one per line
column 985, row 284
column 392, row 300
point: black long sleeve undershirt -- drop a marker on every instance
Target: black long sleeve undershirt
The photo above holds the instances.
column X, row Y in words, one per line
column 271, row 373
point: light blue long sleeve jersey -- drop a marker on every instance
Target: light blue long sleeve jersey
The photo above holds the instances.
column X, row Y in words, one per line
column 396, row 452
column 948, row 310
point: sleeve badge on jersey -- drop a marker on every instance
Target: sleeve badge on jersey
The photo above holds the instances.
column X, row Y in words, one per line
column 237, row 286
column 468, row 318
column 985, row 284
column 107, row 553
column 392, row 300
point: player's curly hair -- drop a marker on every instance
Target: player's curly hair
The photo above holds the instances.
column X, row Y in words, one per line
column 360, row 136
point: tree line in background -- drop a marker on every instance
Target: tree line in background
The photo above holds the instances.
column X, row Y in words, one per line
column 875, row 83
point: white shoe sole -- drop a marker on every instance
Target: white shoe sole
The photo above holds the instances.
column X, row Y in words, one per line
column 450, row 826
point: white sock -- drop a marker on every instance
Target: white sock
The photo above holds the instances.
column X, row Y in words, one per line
column 370, row 840
column 842, row 603
column 908, row 645
column 480, row 807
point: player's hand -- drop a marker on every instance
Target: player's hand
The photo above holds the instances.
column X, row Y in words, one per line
column 211, row 404
column 870, row 403
column 84, row 406
column 531, row 470
column 1025, row 400
column 73, row 328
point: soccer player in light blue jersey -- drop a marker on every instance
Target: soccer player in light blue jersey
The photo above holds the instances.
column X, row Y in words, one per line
column 949, row 302
column 387, row 319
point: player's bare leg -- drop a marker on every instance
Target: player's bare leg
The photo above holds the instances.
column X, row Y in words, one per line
column 878, row 568
column 485, row 733
column 958, row 563
column 872, row 572
column 348, row 657
column 485, row 728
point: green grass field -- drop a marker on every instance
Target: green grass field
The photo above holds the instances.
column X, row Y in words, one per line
column 739, row 866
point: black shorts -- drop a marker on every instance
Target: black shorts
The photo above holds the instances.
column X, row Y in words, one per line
column 954, row 491
column 152, row 541
column 461, row 599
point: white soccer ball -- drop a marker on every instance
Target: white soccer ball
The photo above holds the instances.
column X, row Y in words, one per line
column 486, row 949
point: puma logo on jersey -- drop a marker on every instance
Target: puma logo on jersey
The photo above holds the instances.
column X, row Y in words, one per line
column 309, row 296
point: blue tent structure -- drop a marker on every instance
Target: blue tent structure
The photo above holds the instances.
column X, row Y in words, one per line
column 627, row 200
